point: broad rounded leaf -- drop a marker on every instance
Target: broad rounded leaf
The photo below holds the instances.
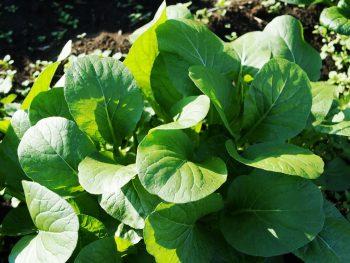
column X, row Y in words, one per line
column 336, row 19
column 172, row 235
column 280, row 157
column 332, row 243
column 187, row 113
column 272, row 214
column 103, row 98
column 98, row 175
column 165, row 168
column 278, row 103
column 49, row 103
column 50, row 153
column 254, row 51
column 195, row 43
column 287, row 41
column 57, row 226
column 130, row 204
column 104, row 249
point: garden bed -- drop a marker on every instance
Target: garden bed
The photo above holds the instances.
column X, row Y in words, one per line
column 105, row 32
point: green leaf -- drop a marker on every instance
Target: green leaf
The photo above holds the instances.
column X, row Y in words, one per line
column 4, row 125
column 49, row 103
column 66, row 51
column 287, row 41
column 337, row 18
column 160, row 14
column 301, row 2
column 103, row 249
column 10, row 166
column 332, row 243
column 98, row 174
column 195, row 43
column 86, row 204
column 42, row 83
column 142, row 55
column 220, row 90
column 165, row 168
column 8, row 99
column 322, row 98
column 103, row 98
column 57, row 226
column 254, row 51
column 172, row 234
column 281, row 158
column 278, row 103
column 169, row 80
column 340, row 128
column 50, row 152
column 336, row 175
column 187, row 113
column 126, row 237
column 178, row 11
column 130, row 204
column 17, row 222
column 90, row 229
column 272, row 214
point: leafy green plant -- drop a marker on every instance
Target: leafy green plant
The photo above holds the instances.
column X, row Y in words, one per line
column 192, row 150
column 336, row 17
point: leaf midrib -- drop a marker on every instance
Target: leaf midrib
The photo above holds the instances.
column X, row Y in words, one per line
column 110, row 126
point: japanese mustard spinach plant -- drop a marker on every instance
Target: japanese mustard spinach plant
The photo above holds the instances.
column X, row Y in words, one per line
column 192, row 150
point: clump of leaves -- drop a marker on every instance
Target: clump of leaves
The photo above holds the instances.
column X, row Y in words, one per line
column 186, row 152
column 335, row 17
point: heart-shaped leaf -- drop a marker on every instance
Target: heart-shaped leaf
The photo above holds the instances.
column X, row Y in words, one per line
column 57, row 226
column 103, row 98
column 165, row 168
column 261, row 219
column 172, row 234
column 280, row 157
column 50, row 152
